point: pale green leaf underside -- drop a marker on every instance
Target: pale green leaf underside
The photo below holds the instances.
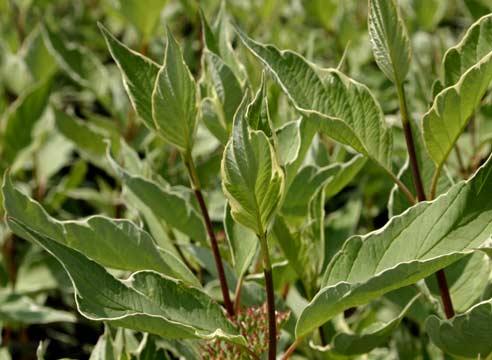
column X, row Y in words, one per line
column 389, row 39
column 346, row 109
column 147, row 301
column 174, row 107
column 117, row 244
column 475, row 45
column 139, row 74
column 311, row 178
column 348, row 171
column 426, row 238
column 361, row 343
column 252, row 179
column 452, row 109
column 466, row 335
column 467, row 280
column 305, row 185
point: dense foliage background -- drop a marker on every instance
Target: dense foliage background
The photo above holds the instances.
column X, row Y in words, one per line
column 71, row 140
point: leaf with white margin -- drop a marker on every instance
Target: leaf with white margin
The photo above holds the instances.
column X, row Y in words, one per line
column 475, row 45
column 20, row 119
column 79, row 63
column 226, row 86
column 89, row 139
column 138, row 73
column 389, row 39
column 252, row 179
column 345, row 109
column 453, row 108
column 174, row 99
column 117, row 244
column 147, row 301
column 427, row 237
column 466, row 335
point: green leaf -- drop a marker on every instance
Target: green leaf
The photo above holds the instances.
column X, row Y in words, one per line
column 305, row 185
column 210, row 111
column 144, row 15
column 427, row 237
column 146, row 301
column 291, row 245
column 369, row 339
column 453, row 108
column 474, row 46
column 344, row 108
column 347, row 172
column 227, row 89
column 429, row 12
column 252, row 179
column 303, row 243
column 117, row 244
column 209, row 37
column 294, row 140
column 139, row 74
column 89, row 140
column 466, row 335
column 20, row 119
column 216, row 39
column 165, row 204
column 15, row 308
column 258, row 114
column 242, row 241
column 226, row 86
column 38, row 59
column 174, row 99
column 79, row 63
column 324, row 11
column 311, row 178
column 389, row 39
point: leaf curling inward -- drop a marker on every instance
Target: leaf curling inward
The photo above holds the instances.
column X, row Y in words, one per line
column 413, row 245
column 252, row 179
column 452, row 109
